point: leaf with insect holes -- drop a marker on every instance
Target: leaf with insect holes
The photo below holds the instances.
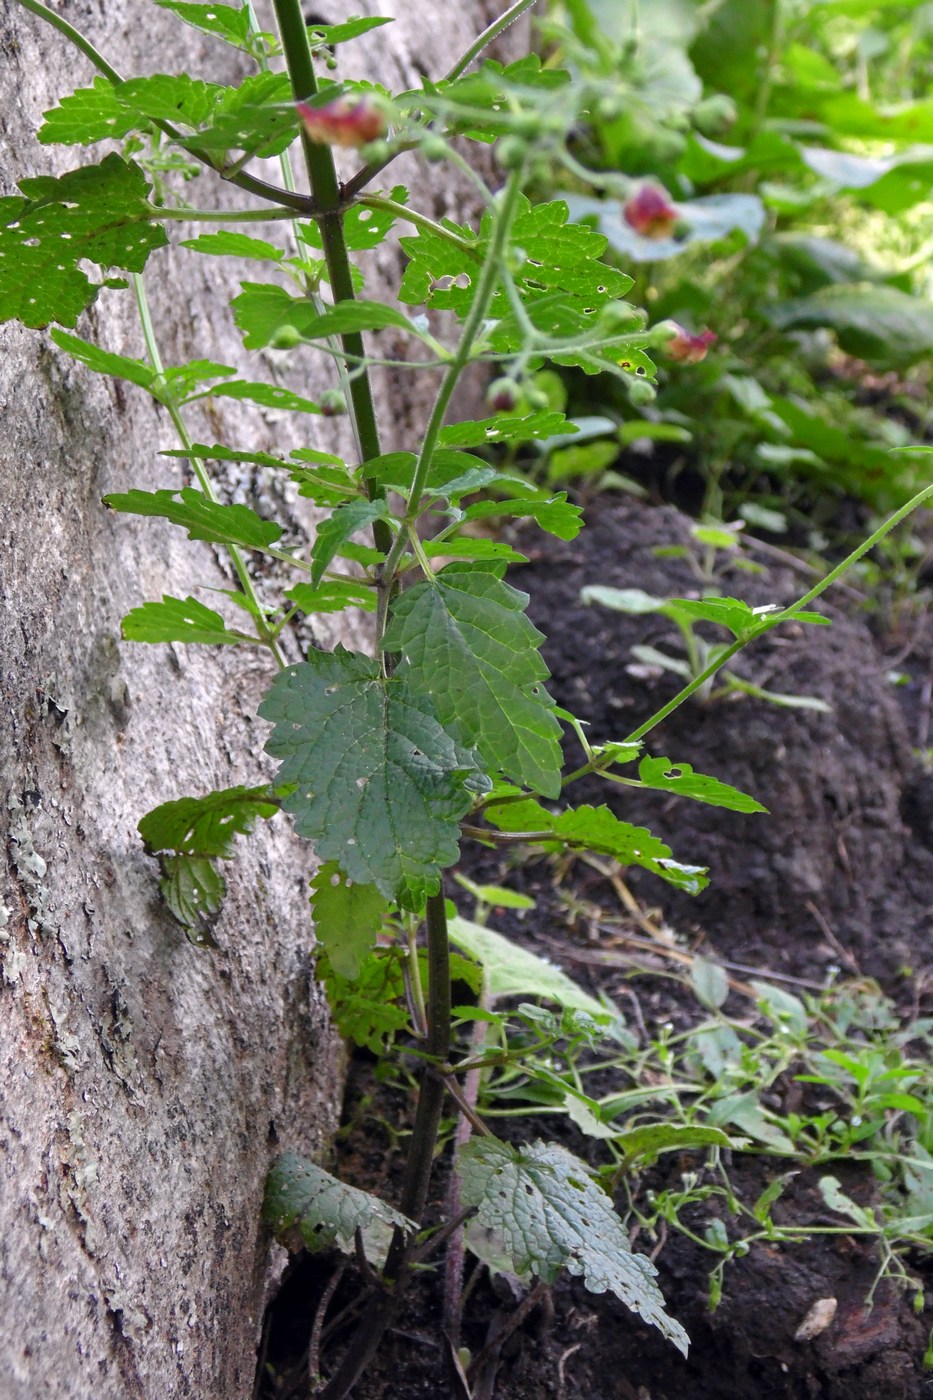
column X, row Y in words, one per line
column 345, row 521
column 330, row 35
column 666, row 776
column 194, row 890
column 98, row 214
column 177, row 620
column 206, row 826
column 737, row 617
column 379, row 785
column 597, row 829
column 229, row 22
column 203, row 518
column 465, row 641
column 550, row 1215
column 363, row 228
column 530, row 427
column 512, row 971
column 256, row 116
column 308, row 1208
column 347, row 917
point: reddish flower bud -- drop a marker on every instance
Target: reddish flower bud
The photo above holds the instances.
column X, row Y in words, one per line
column 649, row 212
column 688, row 348
column 343, row 122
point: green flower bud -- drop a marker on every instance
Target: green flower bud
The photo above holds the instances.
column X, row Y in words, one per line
column 503, row 395
column 511, row 152
column 641, row 393
column 286, row 338
column 434, row 147
column 332, row 403
column 715, row 114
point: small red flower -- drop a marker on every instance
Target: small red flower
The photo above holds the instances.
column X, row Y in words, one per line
column 690, row 349
column 343, row 122
column 649, row 212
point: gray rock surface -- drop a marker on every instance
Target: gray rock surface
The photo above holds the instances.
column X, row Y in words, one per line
column 145, row 1084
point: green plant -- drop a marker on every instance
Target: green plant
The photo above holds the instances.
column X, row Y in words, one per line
column 443, row 730
column 785, row 193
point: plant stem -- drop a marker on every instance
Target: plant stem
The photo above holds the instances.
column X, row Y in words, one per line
column 328, row 203
column 412, row 216
column 245, row 182
column 197, row 464
column 420, row 1161
column 485, row 288
column 490, row 33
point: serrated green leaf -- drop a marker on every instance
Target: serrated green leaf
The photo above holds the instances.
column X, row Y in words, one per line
column 466, row 642
column 347, row 918
column 333, row 34
column 737, row 617
column 230, row 22
column 345, row 521
column 379, row 785
column 104, row 361
column 218, row 453
column 262, row 309
column 99, row 214
column 512, row 971
column 202, row 518
column 554, row 514
column 182, row 380
column 332, row 596
column 370, row 1008
column 597, row 829
column 177, row 620
column 266, row 395
column 466, row 547
column 531, row 427
column 355, row 316
column 234, row 245
column 303, row 1200
column 206, row 826
column 88, row 115
column 661, row 773
column 258, row 116
column 552, row 1215
column 194, row 891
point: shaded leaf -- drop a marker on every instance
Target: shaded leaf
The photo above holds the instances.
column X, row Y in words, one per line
column 552, row 1215
column 345, row 521
column 465, row 641
column 648, row 1142
column 230, row 22
column 333, row 595
column 347, row 918
column 512, row 971
column 380, row 786
column 194, row 890
column 202, row 518
column 99, row 214
column 303, row 1200
column 206, row 826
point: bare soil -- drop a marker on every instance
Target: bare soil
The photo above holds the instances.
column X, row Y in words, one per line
column 839, row 875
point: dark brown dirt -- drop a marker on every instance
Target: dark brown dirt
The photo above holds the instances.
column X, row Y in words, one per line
column 838, row 874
